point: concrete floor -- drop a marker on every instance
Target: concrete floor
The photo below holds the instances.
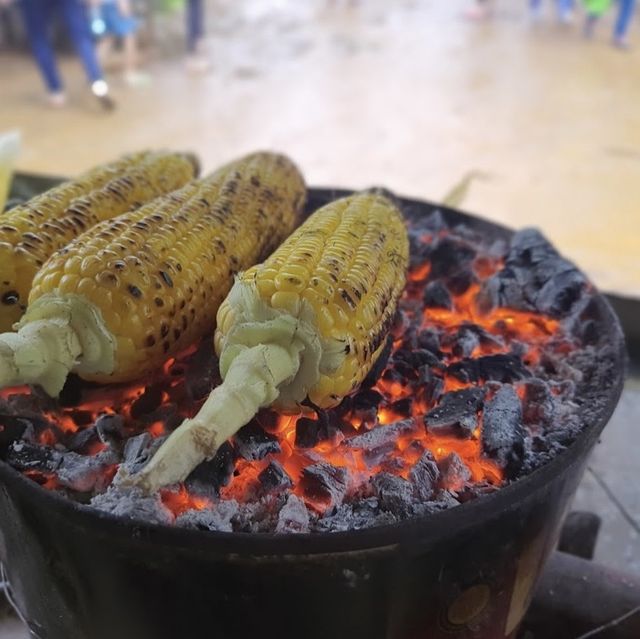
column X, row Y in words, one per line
column 414, row 97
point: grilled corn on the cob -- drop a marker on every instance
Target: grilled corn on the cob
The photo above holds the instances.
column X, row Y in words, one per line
column 32, row 232
column 309, row 323
column 117, row 302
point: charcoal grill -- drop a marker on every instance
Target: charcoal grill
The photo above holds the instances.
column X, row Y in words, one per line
column 468, row 572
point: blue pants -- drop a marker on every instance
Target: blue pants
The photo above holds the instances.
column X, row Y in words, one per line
column 38, row 15
column 564, row 6
column 195, row 23
column 625, row 15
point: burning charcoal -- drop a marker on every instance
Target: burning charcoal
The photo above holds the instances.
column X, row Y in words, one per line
column 309, row 432
column 502, row 432
column 366, row 400
column 293, row 517
column 459, row 282
column 503, row 367
column 210, row 476
column 539, row 406
column 434, row 222
column 325, row 483
column 436, row 295
column 363, row 514
column 454, row 473
column 394, row 493
column 379, row 441
column 217, row 519
column 465, row 342
column 110, row 428
column 424, row 476
column 268, row 420
column 71, row 393
column 25, row 456
column 150, row 399
column 376, row 370
column 429, row 340
column 402, row 406
column 83, row 472
column 132, row 503
column 456, row 414
column 253, row 443
column 274, row 478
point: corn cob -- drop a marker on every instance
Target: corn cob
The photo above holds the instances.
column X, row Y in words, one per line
column 114, row 304
column 32, row 232
column 309, row 323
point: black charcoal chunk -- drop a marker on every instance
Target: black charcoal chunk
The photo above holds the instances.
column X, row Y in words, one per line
column 150, row 399
column 259, row 516
column 132, row 503
column 309, row 432
column 436, row 295
column 83, row 473
column 366, row 399
column 502, row 431
column 394, row 494
column 13, row 428
column 465, row 342
column 217, row 518
column 503, row 367
column 82, row 438
column 450, row 257
column 293, row 516
column 253, row 442
column 538, row 403
column 424, row 476
column 210, row 476
column 456, row 415
column 325, row 483
column 25, row 456
column 434, row 222
column 534, row 278
column 274, row 477
column 365, row 513
column 429, row 340
column 379, row 441
column 417, row 358
column 136, row 452
column 454, row 473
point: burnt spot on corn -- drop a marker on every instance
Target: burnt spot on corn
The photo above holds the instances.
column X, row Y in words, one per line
column 158, row 302
column 166, row 278
column 10, row 298
column 135, row 291
column 150, row 341
column 164, row 330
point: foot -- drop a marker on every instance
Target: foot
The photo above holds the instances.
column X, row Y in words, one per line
column 101, row 90
column 197, row 63
column 57, row 99
column 621, row 43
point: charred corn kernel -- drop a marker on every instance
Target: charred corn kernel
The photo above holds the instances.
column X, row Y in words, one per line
column 133, row 291
column 32, row 232
column 338, row 279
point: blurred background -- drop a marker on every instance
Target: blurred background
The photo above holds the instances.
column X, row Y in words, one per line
column 527, row 113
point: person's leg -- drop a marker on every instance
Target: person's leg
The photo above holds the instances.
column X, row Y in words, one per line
column 623, row 22
column 195, row 24
column 590, row 25
column 37, row 17
column 77, row 22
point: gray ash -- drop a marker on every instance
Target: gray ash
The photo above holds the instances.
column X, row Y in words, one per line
column 493, row 366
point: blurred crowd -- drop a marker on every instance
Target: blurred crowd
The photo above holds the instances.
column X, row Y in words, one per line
column 566, row 11
column 92, row 27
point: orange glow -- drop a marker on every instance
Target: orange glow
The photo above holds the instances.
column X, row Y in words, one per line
column 504, row 327
column 181, row 501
